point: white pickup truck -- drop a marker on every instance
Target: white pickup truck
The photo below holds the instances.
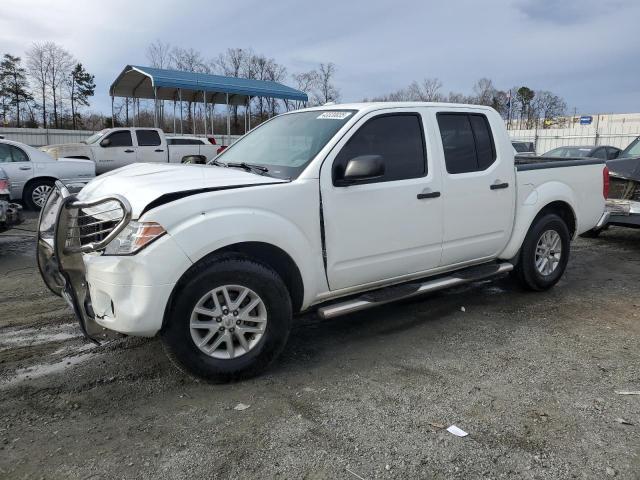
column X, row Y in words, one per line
column 334, row 209
column 113, row 148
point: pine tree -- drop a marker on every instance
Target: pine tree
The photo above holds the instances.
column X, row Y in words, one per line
column 81, row 87
column 13, row 82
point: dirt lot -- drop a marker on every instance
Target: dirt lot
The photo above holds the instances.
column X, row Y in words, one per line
column 531, row 377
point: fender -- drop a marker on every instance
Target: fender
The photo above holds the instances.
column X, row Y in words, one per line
column 529, row 207
column 282, row 220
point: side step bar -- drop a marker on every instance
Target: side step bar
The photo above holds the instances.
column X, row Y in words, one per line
column 408, row 290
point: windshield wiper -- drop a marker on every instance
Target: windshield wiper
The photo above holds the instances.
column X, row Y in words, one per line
column 249, row 167
column 218, row 163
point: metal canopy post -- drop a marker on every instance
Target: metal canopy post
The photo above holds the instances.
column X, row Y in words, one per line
column 212, row 110
column 204, row 96
column 249, row 107
column 174, row 113
column 155, row 107
column 193, row 115
column 113, row 115
column 180, row 95
column 228, row 121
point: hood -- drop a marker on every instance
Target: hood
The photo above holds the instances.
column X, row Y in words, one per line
column 144, row 184
column 67, row 150
column 627, row 168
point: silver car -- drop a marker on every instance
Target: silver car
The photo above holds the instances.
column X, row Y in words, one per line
column 32, row 172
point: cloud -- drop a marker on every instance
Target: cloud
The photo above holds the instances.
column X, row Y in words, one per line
column 583, row 50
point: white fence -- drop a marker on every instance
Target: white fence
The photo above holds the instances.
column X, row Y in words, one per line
column 546, row 139
column 37, row 137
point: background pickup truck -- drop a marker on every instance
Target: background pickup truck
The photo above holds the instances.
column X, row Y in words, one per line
column 335, row 209
column 116, row 147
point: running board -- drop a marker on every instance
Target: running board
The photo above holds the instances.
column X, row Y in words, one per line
column 408, row 290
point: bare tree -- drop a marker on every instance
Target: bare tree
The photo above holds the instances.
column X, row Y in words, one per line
column 235, row 62
column 38, row 66
column 484, row 92
column 159, row 54
column 326, row 91
column 189, row 60
column 60, row 64
column 547, row 106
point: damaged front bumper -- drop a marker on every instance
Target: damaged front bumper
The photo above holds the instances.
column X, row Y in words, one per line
column 67, row 229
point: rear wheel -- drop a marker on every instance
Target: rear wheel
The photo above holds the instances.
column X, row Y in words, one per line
column 230, row 321
column 36, row 193
column 544, row 254
column 194, row 160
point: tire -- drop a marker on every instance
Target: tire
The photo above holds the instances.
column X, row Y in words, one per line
column 260, row 349
column 534, row 275
column 36, row 193
column 194, row 160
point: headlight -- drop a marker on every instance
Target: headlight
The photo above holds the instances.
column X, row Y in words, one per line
column 134, row 237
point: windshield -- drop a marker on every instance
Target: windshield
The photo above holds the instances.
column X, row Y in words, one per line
column 95, row 137
column 286, row 144
column 633, row 150
column 569, row 152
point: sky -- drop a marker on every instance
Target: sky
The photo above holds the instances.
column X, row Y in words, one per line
column 583, row 50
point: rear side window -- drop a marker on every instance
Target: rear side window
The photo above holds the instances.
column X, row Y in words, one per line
column 398, row 138
column 11, row 153
column 148, row 138
column 185, row 141
column 121, row 138
column 467, row 142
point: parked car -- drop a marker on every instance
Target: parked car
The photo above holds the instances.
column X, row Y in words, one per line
column 623, row 202
column 113, row 148
column 523, row 148
column 32, row 172
column 10, row 213
column 335, row 209
column 606, row 152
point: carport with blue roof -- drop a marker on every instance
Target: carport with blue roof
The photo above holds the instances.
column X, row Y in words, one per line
column 158, row 84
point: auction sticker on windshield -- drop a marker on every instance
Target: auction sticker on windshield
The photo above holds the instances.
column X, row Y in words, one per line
column 335, row 115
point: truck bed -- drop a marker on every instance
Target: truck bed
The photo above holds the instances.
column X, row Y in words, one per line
column 524, row 162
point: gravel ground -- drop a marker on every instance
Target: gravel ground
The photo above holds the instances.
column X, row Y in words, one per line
column 531, row 377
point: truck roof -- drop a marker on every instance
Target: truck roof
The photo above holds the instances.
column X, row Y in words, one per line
column 371, row 106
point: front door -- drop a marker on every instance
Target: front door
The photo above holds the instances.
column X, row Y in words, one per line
column 15, row 162
column 478, row 182
column 117, row 152
column 387, row 227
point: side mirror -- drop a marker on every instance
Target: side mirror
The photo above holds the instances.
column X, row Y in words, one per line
column 105, row 142
column 364, row 167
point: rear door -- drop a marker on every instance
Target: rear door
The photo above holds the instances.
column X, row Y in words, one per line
column 386, row 227
column 151, row 146
column 478, row 186
column 118, row 153
column 183, row 147
column 16, row 164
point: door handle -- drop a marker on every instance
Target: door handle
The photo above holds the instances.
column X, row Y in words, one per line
column 426, row 193
column 25, row 168
column 128, row 150
column 158, row 150
column 498, row 186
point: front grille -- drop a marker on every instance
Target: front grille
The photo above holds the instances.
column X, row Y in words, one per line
column 636, row 193
column 92, row 225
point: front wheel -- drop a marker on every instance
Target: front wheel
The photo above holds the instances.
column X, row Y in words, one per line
column 544, row 254
column 229, row 321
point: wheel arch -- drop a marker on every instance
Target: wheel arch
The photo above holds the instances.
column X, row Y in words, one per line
column 527, row 216
column 270, row 255
column 33, row 180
